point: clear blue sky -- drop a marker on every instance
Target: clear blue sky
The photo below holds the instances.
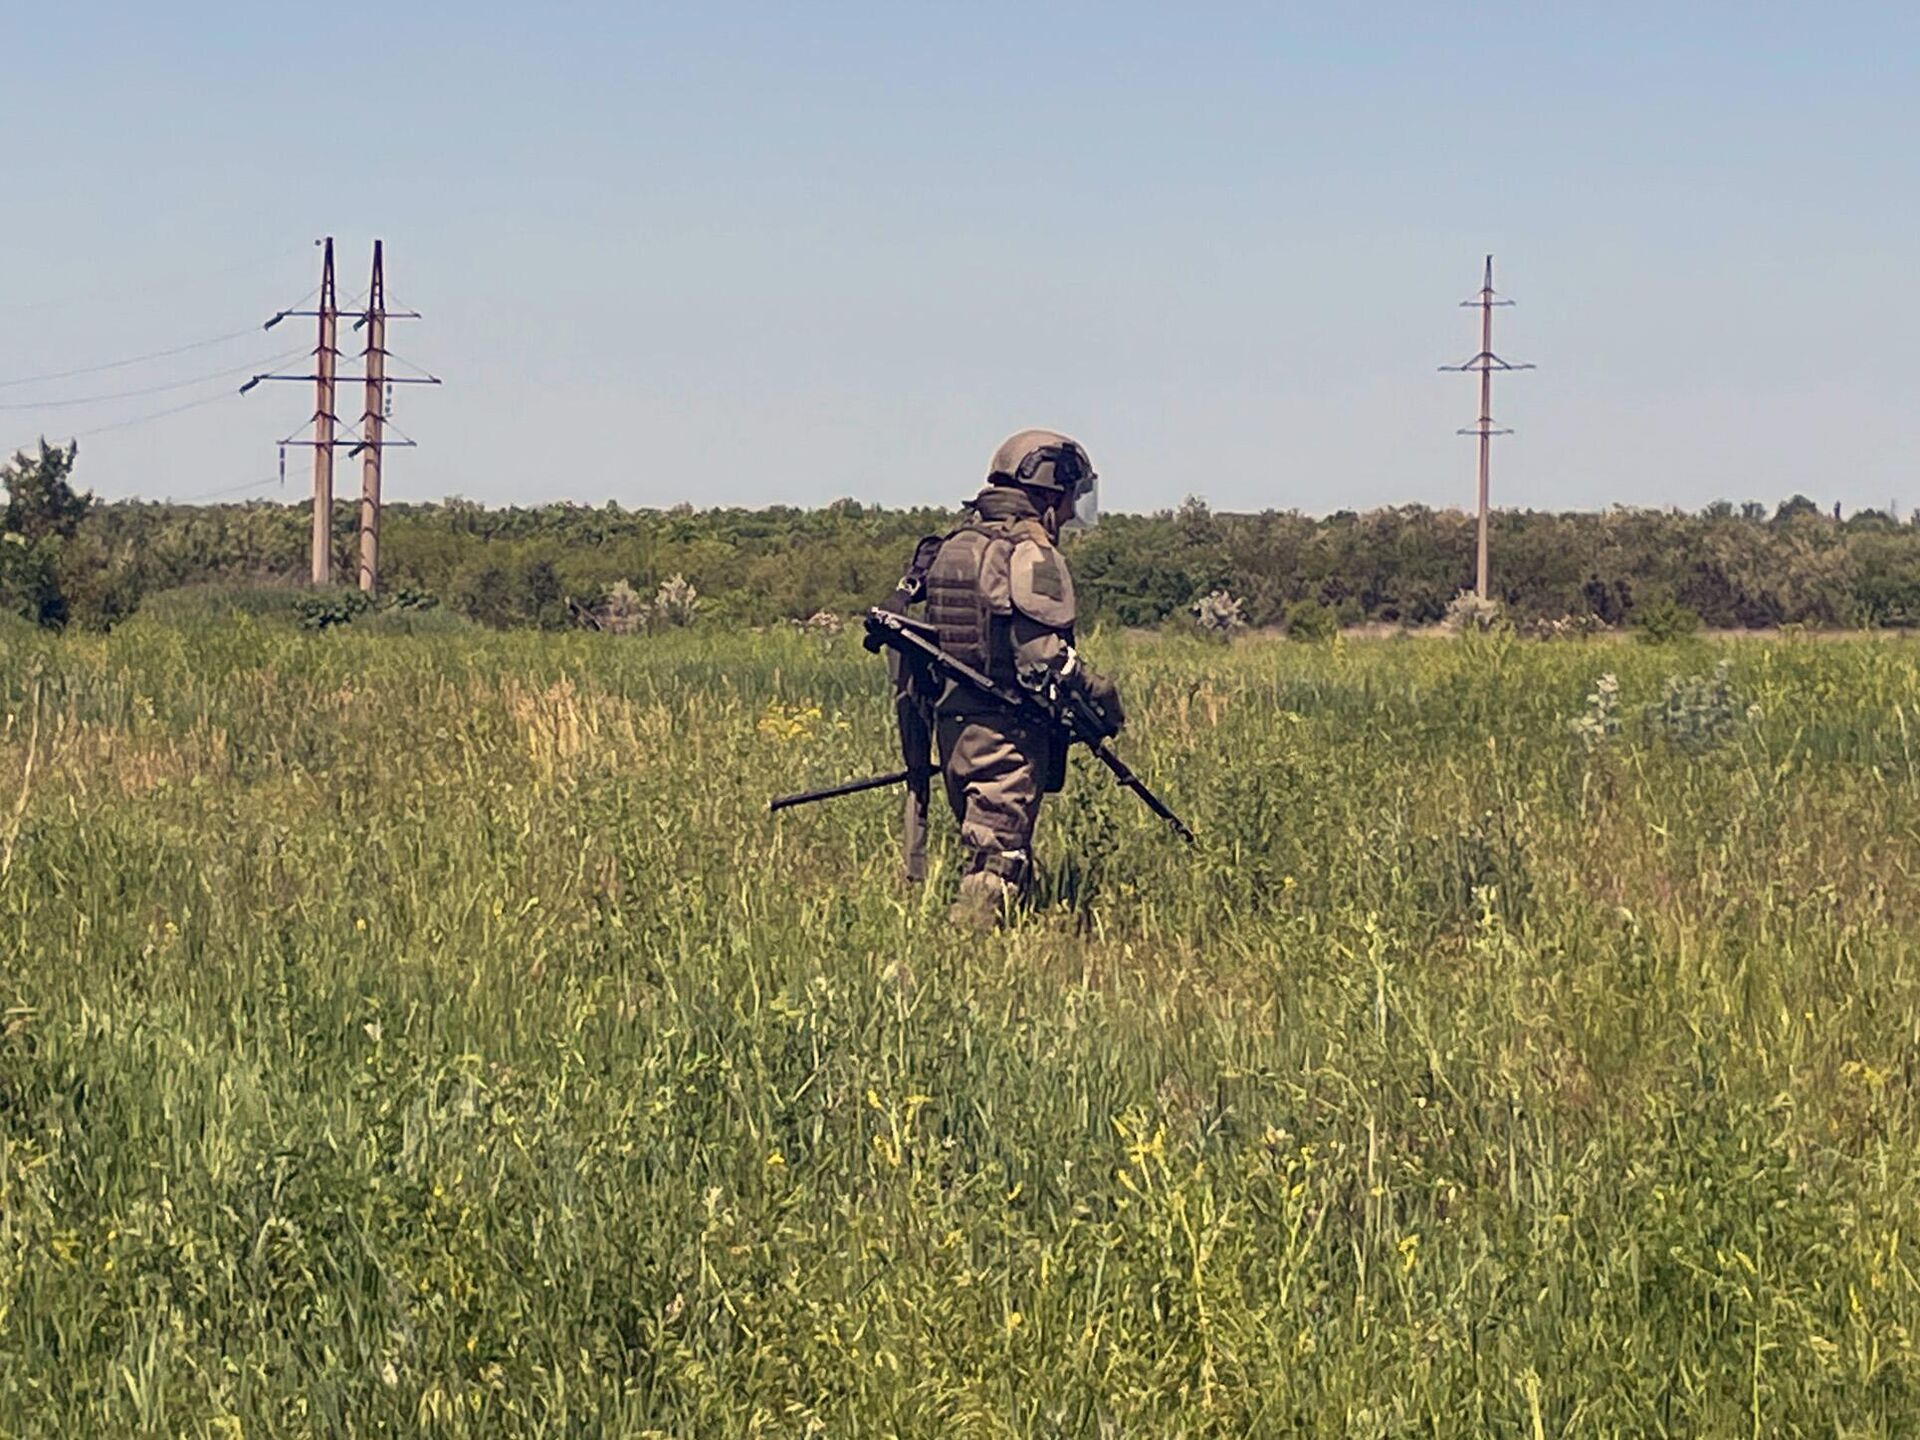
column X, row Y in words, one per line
column 738, row 254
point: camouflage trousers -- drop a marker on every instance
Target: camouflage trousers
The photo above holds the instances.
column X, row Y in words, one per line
column 994, row 772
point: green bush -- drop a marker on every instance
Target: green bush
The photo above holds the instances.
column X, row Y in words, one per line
column 407, row 597
column 29, row 586
column 404, row 611
column 100, row 586
column 337, row 605
column 16, row 627
column 1700, row 712
column 527, row 592
column 1309, row 620
column 1664, row 622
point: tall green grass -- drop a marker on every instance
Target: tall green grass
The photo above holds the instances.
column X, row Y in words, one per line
column 432, row 1034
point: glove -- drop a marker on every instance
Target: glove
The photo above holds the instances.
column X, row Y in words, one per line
column 1104, row 700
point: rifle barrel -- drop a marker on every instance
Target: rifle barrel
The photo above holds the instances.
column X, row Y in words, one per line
column 1123, row 773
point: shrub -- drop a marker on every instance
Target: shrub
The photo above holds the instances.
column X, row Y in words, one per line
column 403, row 611
column 484, row 592
column 1568, row 627
column 1698, row 712
column 337, row 605
column 1664, row 621
column 41, row 501
column 1601, row 722
column 621, row 611
column 29, row 586
column 1218, row 614
column 406, row 597
column 15, row 628
column 100, row 585
column 1469, row 614
column 676, row 602
column 1309, row 620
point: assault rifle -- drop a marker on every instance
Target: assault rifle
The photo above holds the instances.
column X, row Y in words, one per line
column 1070, row 714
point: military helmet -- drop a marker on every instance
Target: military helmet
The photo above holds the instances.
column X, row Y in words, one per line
column 1042, row 459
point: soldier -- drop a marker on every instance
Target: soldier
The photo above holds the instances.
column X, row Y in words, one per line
column 999, row 593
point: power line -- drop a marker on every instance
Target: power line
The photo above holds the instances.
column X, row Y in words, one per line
column 51, row 375
column 131, row 421
column 150, row 389
column 218, row 494
column 417, row 368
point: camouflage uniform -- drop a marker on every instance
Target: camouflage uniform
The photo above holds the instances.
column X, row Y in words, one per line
column 1000, row 595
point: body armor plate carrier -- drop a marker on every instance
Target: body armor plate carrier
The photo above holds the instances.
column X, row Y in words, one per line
column 966, row 580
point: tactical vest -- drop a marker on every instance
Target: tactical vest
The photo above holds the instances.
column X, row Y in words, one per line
column 967, row 577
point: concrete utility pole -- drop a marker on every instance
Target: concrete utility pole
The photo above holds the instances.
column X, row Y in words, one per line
column 1486, row 362
column 370, row 426
column 328, row 356
column 374, row 439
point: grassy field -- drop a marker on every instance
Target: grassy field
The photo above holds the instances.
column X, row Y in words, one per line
column 432, row 1035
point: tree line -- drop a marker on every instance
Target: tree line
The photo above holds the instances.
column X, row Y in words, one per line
column 66, row 558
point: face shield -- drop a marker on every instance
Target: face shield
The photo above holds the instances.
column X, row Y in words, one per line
column 1086, row 504
column 1071, row 471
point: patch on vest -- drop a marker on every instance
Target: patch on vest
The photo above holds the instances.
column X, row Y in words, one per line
column 1042, row 586
column 1046, row 579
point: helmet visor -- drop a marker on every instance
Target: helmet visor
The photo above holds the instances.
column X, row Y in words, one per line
column 1086, row 504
